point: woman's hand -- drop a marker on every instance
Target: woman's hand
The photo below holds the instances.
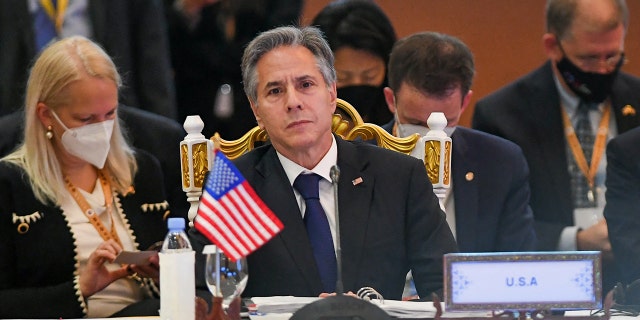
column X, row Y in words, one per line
column 95, row 276
column 149, row 270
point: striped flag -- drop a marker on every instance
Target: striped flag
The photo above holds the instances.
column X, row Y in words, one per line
column 231, row 214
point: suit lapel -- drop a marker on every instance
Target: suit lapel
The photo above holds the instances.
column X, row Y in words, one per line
column 272, row 185
column 355, row 191
column 547, row 130
column 465, row 188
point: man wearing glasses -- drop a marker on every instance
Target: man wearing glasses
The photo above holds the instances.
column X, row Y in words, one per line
column 562, row 116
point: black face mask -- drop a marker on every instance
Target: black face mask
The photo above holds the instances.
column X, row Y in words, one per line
column 369, row 101
column 590, row 86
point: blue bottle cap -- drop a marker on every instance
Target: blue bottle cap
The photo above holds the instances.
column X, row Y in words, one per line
column 175, row 223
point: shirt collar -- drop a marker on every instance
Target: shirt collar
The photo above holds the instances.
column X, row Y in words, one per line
column 323, row 168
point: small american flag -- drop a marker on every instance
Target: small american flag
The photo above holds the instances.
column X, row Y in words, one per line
column 231, row 214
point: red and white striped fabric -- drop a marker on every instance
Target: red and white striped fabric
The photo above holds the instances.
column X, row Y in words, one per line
column 231, row 214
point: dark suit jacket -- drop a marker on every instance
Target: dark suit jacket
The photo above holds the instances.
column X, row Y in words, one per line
column 528, row 113
column 37, row 268
column 622, row 210
column 133, row 33
column 492, row 208
column 153, row 133
column 390, row 223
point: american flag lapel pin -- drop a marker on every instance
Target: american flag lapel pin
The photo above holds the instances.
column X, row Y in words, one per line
column 357, row 181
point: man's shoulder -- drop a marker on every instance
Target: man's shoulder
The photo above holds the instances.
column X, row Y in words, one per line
column 485, row 142
column 629, row 79
column 137, row 116
column 625, row 142
column 519, row 88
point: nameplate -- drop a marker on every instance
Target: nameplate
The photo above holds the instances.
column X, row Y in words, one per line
column 523, row 281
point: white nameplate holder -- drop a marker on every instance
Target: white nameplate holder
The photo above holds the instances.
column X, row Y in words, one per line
column 523, row 281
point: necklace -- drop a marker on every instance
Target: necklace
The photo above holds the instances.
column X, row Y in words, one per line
column 86, row 209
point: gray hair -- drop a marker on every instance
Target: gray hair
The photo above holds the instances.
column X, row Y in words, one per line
column 560, row 15
column 308, row 37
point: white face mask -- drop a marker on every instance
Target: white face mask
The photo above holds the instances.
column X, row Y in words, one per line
column 405, row 130
column 90, row 142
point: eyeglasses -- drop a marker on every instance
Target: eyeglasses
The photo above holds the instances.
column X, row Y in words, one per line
column 595, row 62
column 592, row 62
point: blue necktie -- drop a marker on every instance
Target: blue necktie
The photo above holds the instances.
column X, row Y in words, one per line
column 584, row 133
column 318, row 230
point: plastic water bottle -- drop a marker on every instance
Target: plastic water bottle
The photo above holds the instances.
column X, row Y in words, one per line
column 177, row 274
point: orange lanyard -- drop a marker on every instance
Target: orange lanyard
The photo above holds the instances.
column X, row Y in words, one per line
column 598, row 146
column 90, row 213
column 55, row 13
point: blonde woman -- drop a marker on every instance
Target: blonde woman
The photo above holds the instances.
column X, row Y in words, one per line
column 75, row 194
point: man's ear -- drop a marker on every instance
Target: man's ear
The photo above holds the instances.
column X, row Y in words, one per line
column 254, row 109
column 389, row 97
column 551, row 46
column 333, row 94
column 466, row 100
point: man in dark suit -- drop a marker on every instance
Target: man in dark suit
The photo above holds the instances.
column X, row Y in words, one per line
column 622, row 210
column 132, row 32
column 488, row 203
column 390, row 220
column 545, row 111
column 153, row 133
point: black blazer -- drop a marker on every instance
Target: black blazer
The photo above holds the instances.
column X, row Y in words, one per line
column 622, row 210
column 37, row 269
column 133, row 33
column 528, row 113
column 390, row 223
column 492, row 203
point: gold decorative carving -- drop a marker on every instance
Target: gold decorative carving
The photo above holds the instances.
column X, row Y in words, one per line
column 200, row 163
column 447, row 163
column 370, row 131
column 346, row 123
column 184, row 156
column 235, row 148
column 432, row 160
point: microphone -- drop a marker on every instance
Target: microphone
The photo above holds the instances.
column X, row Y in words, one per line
column 340, row 306
column 335, row 176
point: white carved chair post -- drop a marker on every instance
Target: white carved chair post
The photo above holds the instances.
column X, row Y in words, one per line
column 196, row 158
column 436, row 153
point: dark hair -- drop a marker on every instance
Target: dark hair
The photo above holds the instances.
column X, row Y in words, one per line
column 359, row 24
column 432, row 62
column 560, row 15
column 308, row 37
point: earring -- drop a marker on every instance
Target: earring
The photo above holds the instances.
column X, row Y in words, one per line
column 49, row 133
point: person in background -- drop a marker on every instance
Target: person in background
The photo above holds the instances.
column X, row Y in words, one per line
column 562, row 114
column 153, row 133
column 207, row 38
column 361, row 37
column 132, row 32
column 432, row 72
column 390, row 220
column 622, row 210
column 75, row 184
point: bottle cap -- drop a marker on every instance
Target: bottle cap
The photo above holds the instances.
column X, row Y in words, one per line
column 175, row 223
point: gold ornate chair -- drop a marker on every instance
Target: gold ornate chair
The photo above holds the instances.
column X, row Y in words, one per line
column 346, row 123
column 195, row 149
